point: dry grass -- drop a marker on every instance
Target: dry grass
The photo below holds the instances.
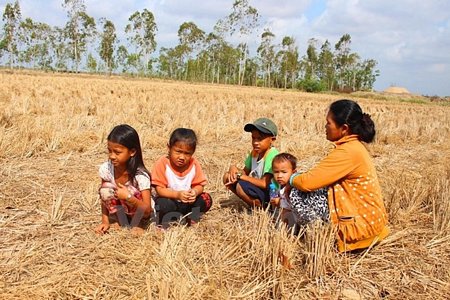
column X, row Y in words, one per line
column 52, row 139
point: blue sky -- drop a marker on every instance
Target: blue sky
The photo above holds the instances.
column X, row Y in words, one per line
column 409, row 39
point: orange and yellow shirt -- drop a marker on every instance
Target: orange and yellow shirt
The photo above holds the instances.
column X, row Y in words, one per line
column 354, row 195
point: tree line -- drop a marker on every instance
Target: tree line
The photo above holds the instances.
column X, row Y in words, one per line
column 89, row 45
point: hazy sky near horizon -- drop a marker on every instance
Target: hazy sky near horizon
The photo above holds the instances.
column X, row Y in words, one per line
column 409, row 39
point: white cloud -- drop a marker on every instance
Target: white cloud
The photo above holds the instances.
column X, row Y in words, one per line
column 410, row 39
column 405, row 36
column 285, row 9
column 441, row 68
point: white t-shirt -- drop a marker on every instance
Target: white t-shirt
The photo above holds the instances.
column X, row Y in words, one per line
column 106, row 172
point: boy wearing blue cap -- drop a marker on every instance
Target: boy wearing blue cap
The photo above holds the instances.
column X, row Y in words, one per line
column 251, row 184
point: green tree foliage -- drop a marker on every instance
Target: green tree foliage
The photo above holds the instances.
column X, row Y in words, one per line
column 142, row 31
column 107, row 44
column 198, row 56
column 171, row 62
column 289, row 64
column 326, row 67
column 91, row 63
column 215, row 55
column 191, row 40
column 11, row 17
column 36, row 39
column 60, row 49
column 352, row 74
column 242, row 20
column 266, row 52
column 342, row 59
column 79, row 29
column 122, row 56
column 366, row 76
column 311, row 60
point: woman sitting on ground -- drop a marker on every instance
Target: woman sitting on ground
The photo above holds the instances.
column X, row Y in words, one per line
column 354, row 195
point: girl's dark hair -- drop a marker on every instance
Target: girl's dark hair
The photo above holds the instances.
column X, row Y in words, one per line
column 286, row 157
column 184, row 135
column 127, row 136
column 349, row 112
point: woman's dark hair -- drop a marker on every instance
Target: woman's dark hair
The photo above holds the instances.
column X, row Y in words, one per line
column 127, row 136
column 286, row 157
column 349, row 112
column 184, row 135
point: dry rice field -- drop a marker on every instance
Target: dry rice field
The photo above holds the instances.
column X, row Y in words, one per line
column 52, row 140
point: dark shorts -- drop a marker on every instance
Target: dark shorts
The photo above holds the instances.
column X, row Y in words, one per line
column 255, row 192
column 169, row 210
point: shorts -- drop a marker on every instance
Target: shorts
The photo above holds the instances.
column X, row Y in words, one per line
column 255, row 192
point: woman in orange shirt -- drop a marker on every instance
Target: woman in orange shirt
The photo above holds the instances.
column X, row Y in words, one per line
column 354, row 195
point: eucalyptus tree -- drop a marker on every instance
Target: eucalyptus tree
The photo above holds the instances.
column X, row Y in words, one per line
column 91, row 63
column 191, row 40
column 27, row 38
column 367, row 75
column 266, row 52
column 61, row 50
column 252, row 72
column 108, row 44
column 212, row 53
column 79, row 29
column 311, row 60
column 352, row 71
column 289, row 64
column 326, row 66
column 243, row 20
column 171, row 62
column 36, row 40
column 11, row 18
column 342, row 57
column 122, row 57
column 142, row 31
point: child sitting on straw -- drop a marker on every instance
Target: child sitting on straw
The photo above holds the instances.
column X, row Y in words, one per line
column 297, row 207
column 251, row 183
column 125, row 189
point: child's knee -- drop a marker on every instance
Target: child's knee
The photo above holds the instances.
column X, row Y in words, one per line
column 106, row 193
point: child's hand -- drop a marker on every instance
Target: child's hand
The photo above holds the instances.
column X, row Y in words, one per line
column 102, row 228
column 275, row 201
column 231, row 176
column 122, row 191
column 192, row 195
column 187, row 196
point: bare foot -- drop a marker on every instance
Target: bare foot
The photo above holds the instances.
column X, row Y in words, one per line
column 256, row 203
column 160, row 229
column 137, row 231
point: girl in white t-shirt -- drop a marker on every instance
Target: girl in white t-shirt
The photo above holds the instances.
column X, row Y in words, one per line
column 125, row 189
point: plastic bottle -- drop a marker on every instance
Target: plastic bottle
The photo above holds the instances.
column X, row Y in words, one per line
column 273, row 191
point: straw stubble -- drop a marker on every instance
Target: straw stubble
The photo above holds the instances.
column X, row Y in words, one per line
column 52, row 140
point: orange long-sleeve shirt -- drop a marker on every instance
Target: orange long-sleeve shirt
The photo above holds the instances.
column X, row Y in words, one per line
column 354, row 194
